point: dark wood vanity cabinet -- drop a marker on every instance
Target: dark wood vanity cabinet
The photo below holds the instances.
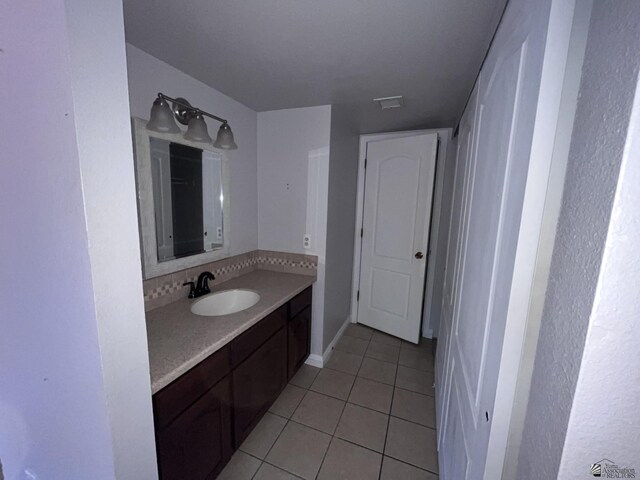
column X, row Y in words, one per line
column 201, row 417
column 197, row 444
column 193, row 421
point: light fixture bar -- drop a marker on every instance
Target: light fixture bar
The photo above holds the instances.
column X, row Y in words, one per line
column 163, row 117
column 190, row 107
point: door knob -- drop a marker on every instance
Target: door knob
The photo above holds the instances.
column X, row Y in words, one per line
column 419, row 255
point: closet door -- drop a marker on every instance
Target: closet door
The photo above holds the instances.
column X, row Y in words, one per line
column 459, row 210
column 495, row 145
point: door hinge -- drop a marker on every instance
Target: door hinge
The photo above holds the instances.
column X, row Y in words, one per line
column 365, row 163
column 358, row 296
column 361, row 232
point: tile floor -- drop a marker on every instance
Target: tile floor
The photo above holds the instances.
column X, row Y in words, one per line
column 369, row 414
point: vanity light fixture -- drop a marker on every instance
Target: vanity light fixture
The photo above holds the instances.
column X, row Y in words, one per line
column 162, row 120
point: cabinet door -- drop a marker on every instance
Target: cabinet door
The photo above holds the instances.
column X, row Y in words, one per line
column 197, row 444
column 300, row 302
column 299, row 338
column 257, row 382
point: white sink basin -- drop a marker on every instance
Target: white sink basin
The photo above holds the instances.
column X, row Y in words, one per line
column 225, row 302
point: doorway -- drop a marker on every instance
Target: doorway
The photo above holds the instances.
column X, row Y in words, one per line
column 399, row 187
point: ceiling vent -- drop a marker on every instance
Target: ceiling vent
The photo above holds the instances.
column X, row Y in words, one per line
column 387, row 103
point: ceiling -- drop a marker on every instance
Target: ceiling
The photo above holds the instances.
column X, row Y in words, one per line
column 274, row 54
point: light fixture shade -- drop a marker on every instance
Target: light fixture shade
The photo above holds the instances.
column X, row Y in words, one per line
column 224, row 139
column 162, row 117
column 197, row 130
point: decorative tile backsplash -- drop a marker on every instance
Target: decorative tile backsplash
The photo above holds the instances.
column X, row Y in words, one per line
column 160, row 291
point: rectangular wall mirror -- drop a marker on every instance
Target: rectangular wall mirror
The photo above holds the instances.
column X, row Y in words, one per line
column 182, row 201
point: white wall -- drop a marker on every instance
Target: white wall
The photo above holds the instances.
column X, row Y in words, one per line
column 433, row 308
column 75, row 397
column 285, row 138
column 148, row 76
column 438, row 235
column 583, row 401
column 604, row 420
column 293, row 181
column 341, row 218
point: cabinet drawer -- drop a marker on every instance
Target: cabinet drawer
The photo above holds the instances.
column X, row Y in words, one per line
column 299, row 302
column 183, row 391
column 197, row 444
column 249, row 341
column 299, row 340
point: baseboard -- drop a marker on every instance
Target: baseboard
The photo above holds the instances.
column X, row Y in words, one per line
column 314, row 360
column 428, row 333
column 329, row 350
column 319, row 361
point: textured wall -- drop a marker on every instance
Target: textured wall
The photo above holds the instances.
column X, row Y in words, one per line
column 604, row 420
column 604, row 106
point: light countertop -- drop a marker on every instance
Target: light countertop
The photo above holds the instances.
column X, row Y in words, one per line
column 179, row 340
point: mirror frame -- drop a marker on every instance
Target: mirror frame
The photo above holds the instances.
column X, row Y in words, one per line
column 146, row 209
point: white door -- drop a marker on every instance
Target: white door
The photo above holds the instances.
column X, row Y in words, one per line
column 461, row 190
column 397, row 210
column 494, row 150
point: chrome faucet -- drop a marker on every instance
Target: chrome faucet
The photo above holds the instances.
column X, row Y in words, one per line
column 202, row 287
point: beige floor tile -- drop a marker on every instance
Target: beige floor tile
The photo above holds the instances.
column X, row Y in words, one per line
column 264, row 435
column 305, row 376
column 358, row 331
column 415, row 380
column 364, row 427
column 382, row 351
column 345, row 461
column 425, row 345
column 412, row 443
column 353, row 345
column 383, row 372
column 269, row 472
column 333, row 383
column 319, row 411
column 416, row 359
column 371, row 394
column 386, row 339
column 299, row 450
column 392, row 469
column 240, row 467
column 288, row 401
column 414, row 407
column 344, row 362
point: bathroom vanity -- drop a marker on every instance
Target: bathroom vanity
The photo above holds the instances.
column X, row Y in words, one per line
column 213, row 378
column 217, row 362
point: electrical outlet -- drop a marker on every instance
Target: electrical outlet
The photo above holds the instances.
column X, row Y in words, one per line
column 306, row 241
column 219, row 232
